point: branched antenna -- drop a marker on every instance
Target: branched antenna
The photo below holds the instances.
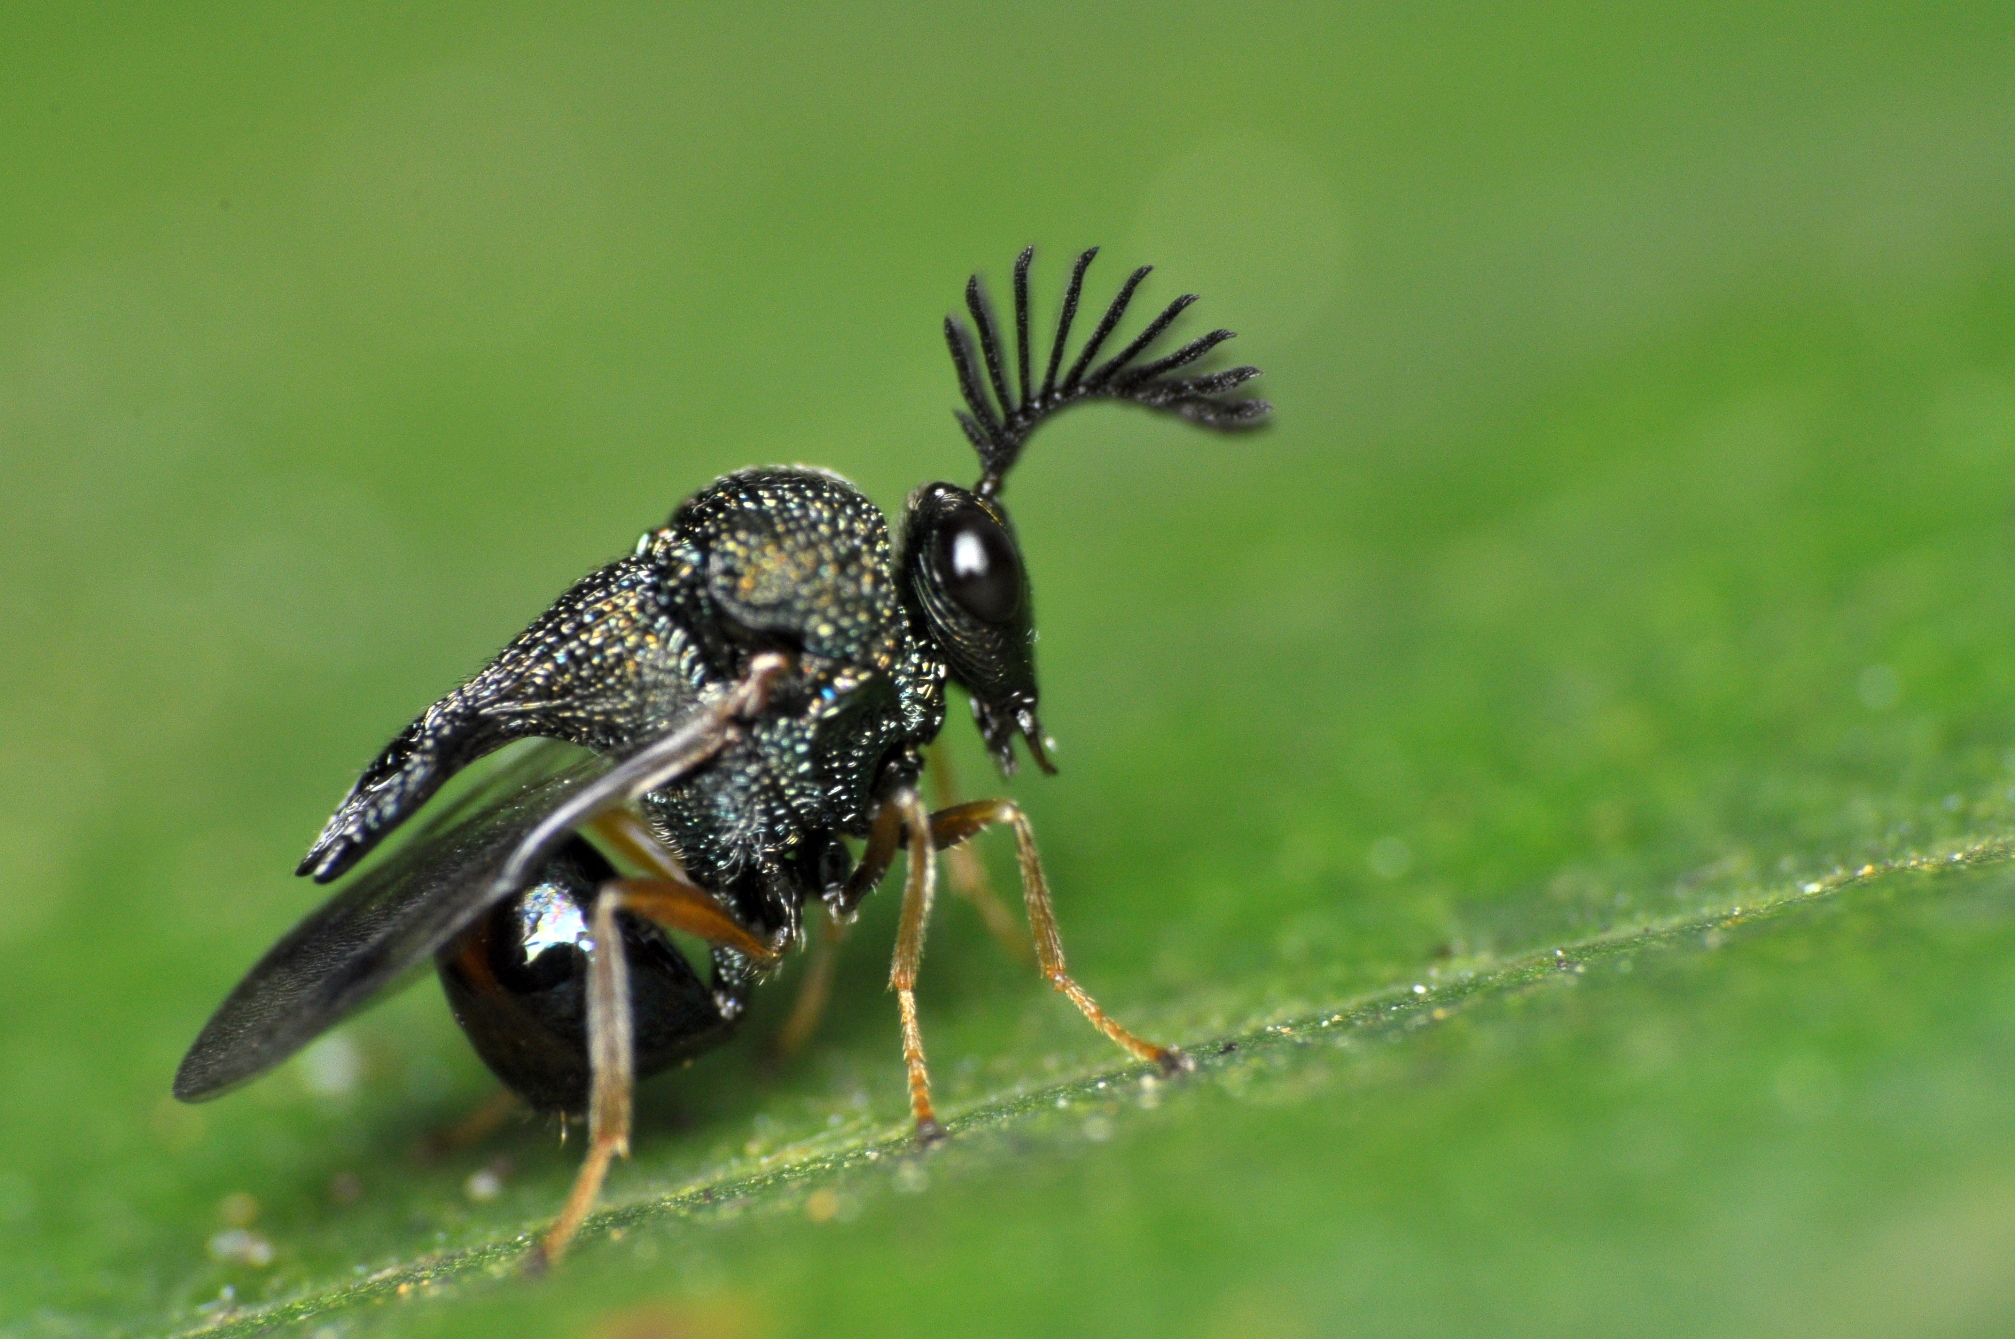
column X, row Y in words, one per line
column 1000, row 426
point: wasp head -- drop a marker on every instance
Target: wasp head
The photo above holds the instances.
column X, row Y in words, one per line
column 962, row 570
column 964, row 581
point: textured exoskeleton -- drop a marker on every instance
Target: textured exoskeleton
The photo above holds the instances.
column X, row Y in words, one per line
column 753, row 685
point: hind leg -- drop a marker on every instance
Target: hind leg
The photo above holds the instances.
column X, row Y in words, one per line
column 611, row 1043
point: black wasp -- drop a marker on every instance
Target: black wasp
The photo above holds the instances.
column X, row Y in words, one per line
column 756, row 682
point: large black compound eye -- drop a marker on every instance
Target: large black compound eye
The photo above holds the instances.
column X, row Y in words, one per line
column 979, row 566
column 964, row 583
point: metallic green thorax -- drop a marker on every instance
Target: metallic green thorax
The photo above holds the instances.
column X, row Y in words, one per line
column 788, row 559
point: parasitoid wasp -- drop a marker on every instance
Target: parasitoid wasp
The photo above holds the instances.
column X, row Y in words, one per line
column 755, row 682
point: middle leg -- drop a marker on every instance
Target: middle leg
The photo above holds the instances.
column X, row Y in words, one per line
column 815, row 990
column 918, row 891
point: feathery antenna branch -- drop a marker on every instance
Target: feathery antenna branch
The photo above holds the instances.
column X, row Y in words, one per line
column 1000, row 426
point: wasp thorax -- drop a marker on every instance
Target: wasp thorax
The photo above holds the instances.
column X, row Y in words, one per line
column 795, row 561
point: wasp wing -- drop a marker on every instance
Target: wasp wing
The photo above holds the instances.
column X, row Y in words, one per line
column 479, row 850
column 577, row 673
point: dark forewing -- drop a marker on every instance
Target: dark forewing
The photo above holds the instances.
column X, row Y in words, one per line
column 478, row 851
column 393, row 918
column 593, row 670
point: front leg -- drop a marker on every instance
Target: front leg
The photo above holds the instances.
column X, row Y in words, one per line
column 814, row 991
column 949, row 827
column 903, row 813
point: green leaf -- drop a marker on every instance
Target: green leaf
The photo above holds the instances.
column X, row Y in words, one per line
column 1558, row 781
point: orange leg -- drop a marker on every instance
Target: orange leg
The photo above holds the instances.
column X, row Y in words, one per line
column 814, row 991
column 627, row 835
column 966, row 871
column 918, row 891
column 680, row 906
column 968, row 878
column 610, row 1059
column 666, row 895
column 947, row 828
column 951, row 826
column 885, row 838
column 611, row 1054
column 474, row 1128
column 669, row 898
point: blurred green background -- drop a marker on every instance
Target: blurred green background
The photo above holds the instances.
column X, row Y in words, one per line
column 1632, row 548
